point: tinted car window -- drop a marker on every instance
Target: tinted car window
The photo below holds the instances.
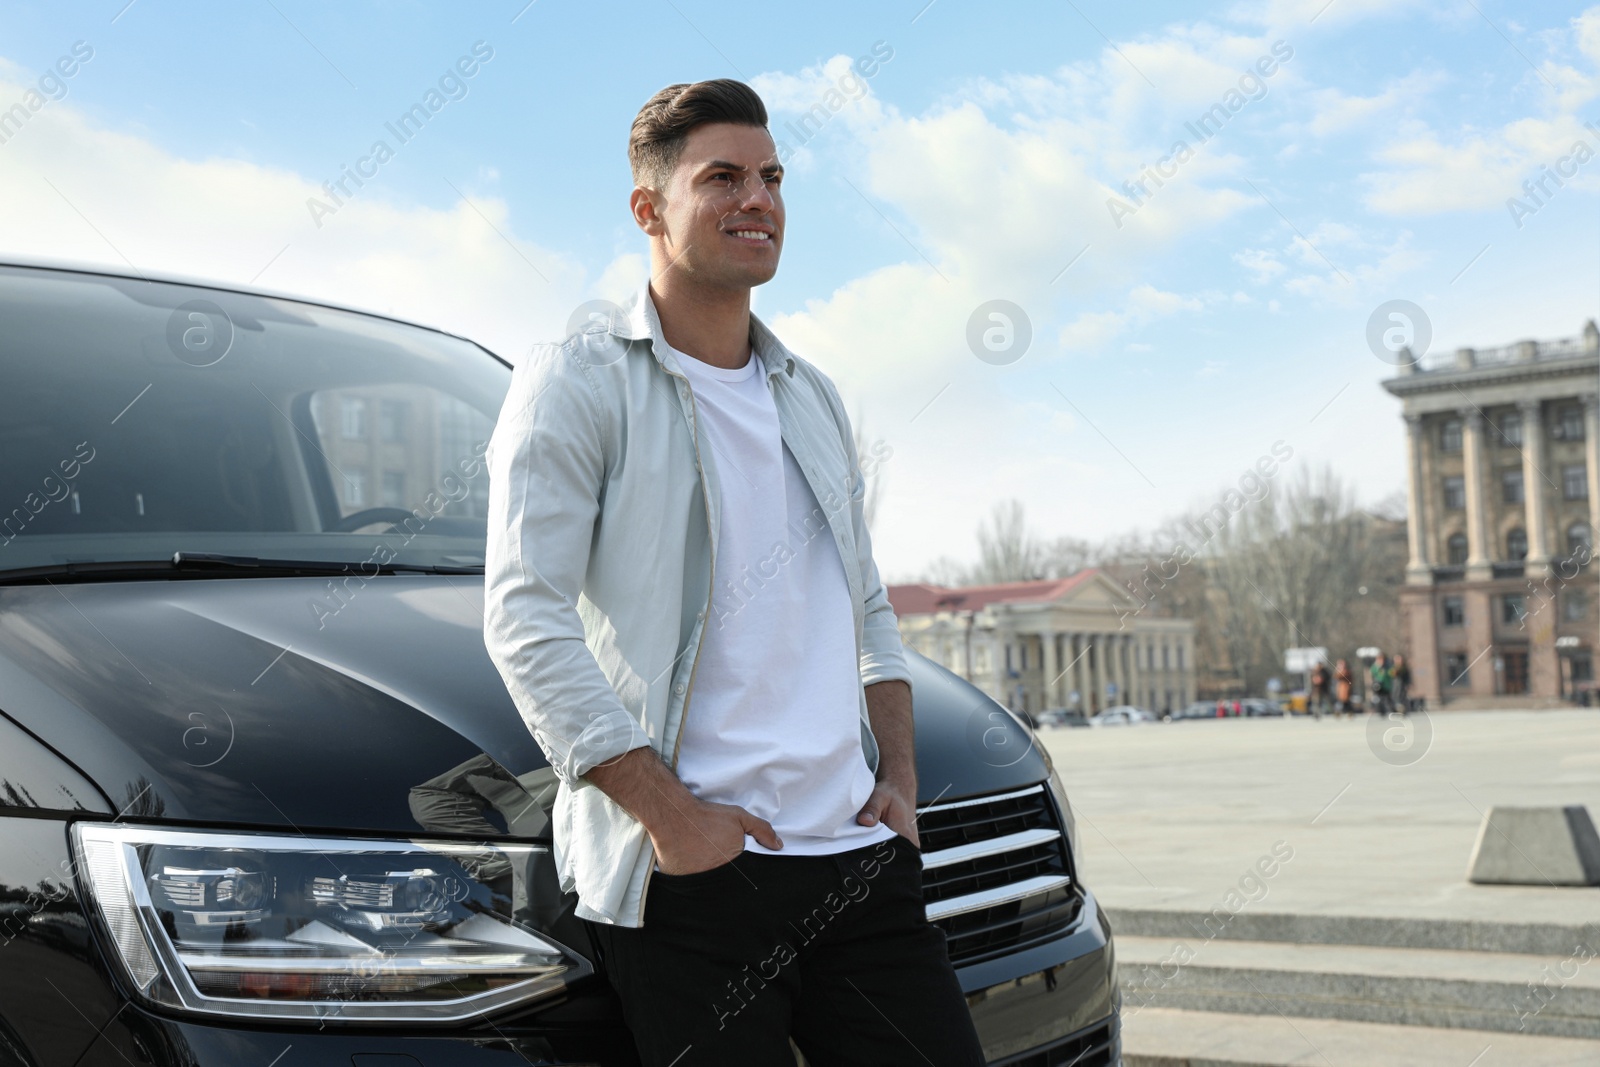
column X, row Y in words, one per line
column 139, row 419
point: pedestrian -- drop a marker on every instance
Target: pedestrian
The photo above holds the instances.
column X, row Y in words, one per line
column 1222, row 707
column 1344, row 683
column 1382, row 680
column 1320, row 681
column 727, row 759
column 1238, row 708
column 1401, row 684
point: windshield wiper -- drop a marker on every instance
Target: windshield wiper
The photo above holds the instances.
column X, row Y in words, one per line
column 193, row 563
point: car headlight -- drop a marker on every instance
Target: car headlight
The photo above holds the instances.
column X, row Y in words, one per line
column 283, row 927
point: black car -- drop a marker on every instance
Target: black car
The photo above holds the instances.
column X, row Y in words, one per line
column 263, row 797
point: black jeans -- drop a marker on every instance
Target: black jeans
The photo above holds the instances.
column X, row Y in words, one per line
column 834, row 950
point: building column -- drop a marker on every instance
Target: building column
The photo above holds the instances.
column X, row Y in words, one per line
column 1080, row 669
column 1419, row 571
column 1097, row 673
column 1119, row 666
column 1135, row 651
column 1533, row 467
column 1052, row 667
column 1478, row 559
column 1591, row 440
column 1191, row 670
column 1068, row 670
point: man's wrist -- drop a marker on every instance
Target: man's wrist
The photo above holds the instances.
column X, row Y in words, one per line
column 902, row 780
column 646, row 788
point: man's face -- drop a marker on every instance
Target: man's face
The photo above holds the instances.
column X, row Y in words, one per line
column 721, row 213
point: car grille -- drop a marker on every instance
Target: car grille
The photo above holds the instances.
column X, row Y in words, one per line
column 1095, row 1046
column 995, row 873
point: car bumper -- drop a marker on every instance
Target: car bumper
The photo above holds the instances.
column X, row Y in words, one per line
column 1065, row 998
column 1051, row 1004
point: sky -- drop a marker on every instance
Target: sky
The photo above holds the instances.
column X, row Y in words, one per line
column 970, row 252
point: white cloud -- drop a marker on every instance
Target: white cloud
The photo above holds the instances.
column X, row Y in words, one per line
column 1260, row 262
column 1475, row 168
column 1145, row 303
column 233, row 221
column 1338, row 113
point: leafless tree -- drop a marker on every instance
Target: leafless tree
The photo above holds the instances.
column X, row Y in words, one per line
column 1007, row 550
column 1302, row 567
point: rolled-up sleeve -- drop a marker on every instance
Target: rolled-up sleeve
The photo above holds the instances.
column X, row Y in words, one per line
column 546, row 462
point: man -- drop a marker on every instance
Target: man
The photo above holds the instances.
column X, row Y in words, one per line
column 1345, row 683
column 1381, row 678
column 1321, row 679
column 681, row 597
column 1400, row 684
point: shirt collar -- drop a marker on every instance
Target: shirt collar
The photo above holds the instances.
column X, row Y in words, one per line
column 640, row 322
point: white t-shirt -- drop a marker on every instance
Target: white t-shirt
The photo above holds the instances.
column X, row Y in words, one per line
column 773, row 722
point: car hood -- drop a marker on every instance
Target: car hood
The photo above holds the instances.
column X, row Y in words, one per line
column 285, row 703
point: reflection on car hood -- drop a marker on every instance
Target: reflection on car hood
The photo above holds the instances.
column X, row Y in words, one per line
column 275, row 702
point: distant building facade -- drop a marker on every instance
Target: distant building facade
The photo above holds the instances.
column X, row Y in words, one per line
column 1079, row 642
column 1503, row 475
column 394, row 446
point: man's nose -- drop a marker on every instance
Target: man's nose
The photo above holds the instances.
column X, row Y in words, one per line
column 754, row 195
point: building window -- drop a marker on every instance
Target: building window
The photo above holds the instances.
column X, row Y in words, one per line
column 1455, row 550
column 1513, row 606
column 392, row 418
column 1166, row 662
column 1579, row 539
column 1511, row 487
column 1455, row 668
column 1454, row 614
column 1568, row 425
column 1575, row 482
column 1511, row 428
column 1583, row 668
column 1455, row 493
column 355, row 489
column 1450, row 435
column 353, row 418
column 394, row 489
column 1575, row 605
column 1180, row 657
column 1516, row 544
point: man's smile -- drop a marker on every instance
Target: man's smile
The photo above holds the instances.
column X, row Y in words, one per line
column 758, row 233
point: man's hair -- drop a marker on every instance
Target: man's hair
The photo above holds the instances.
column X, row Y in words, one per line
column 662, row 126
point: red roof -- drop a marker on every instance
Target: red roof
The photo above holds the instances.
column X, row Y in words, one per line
column 923, row 599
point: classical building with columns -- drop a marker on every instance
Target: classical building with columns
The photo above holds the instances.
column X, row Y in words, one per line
column 1503, row 465
column 1078, row 642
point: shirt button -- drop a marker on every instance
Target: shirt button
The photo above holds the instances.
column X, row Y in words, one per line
column 678, row 689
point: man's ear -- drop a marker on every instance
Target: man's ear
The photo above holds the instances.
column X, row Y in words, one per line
column 644, row 203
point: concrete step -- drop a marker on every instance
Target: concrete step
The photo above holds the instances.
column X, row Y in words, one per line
column 1164, row 1037
column 1542, row 938
column 1557, row 996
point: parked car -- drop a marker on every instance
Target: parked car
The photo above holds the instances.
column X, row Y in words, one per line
column 261, row 787
column 1255, row 707
column 1122, row 715
column 1062, row 717
column 1200, row 709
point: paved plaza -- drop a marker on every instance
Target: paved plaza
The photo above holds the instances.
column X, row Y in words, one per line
column 1177, row 815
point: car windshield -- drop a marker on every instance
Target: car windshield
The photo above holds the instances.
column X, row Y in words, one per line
column 140, row 419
